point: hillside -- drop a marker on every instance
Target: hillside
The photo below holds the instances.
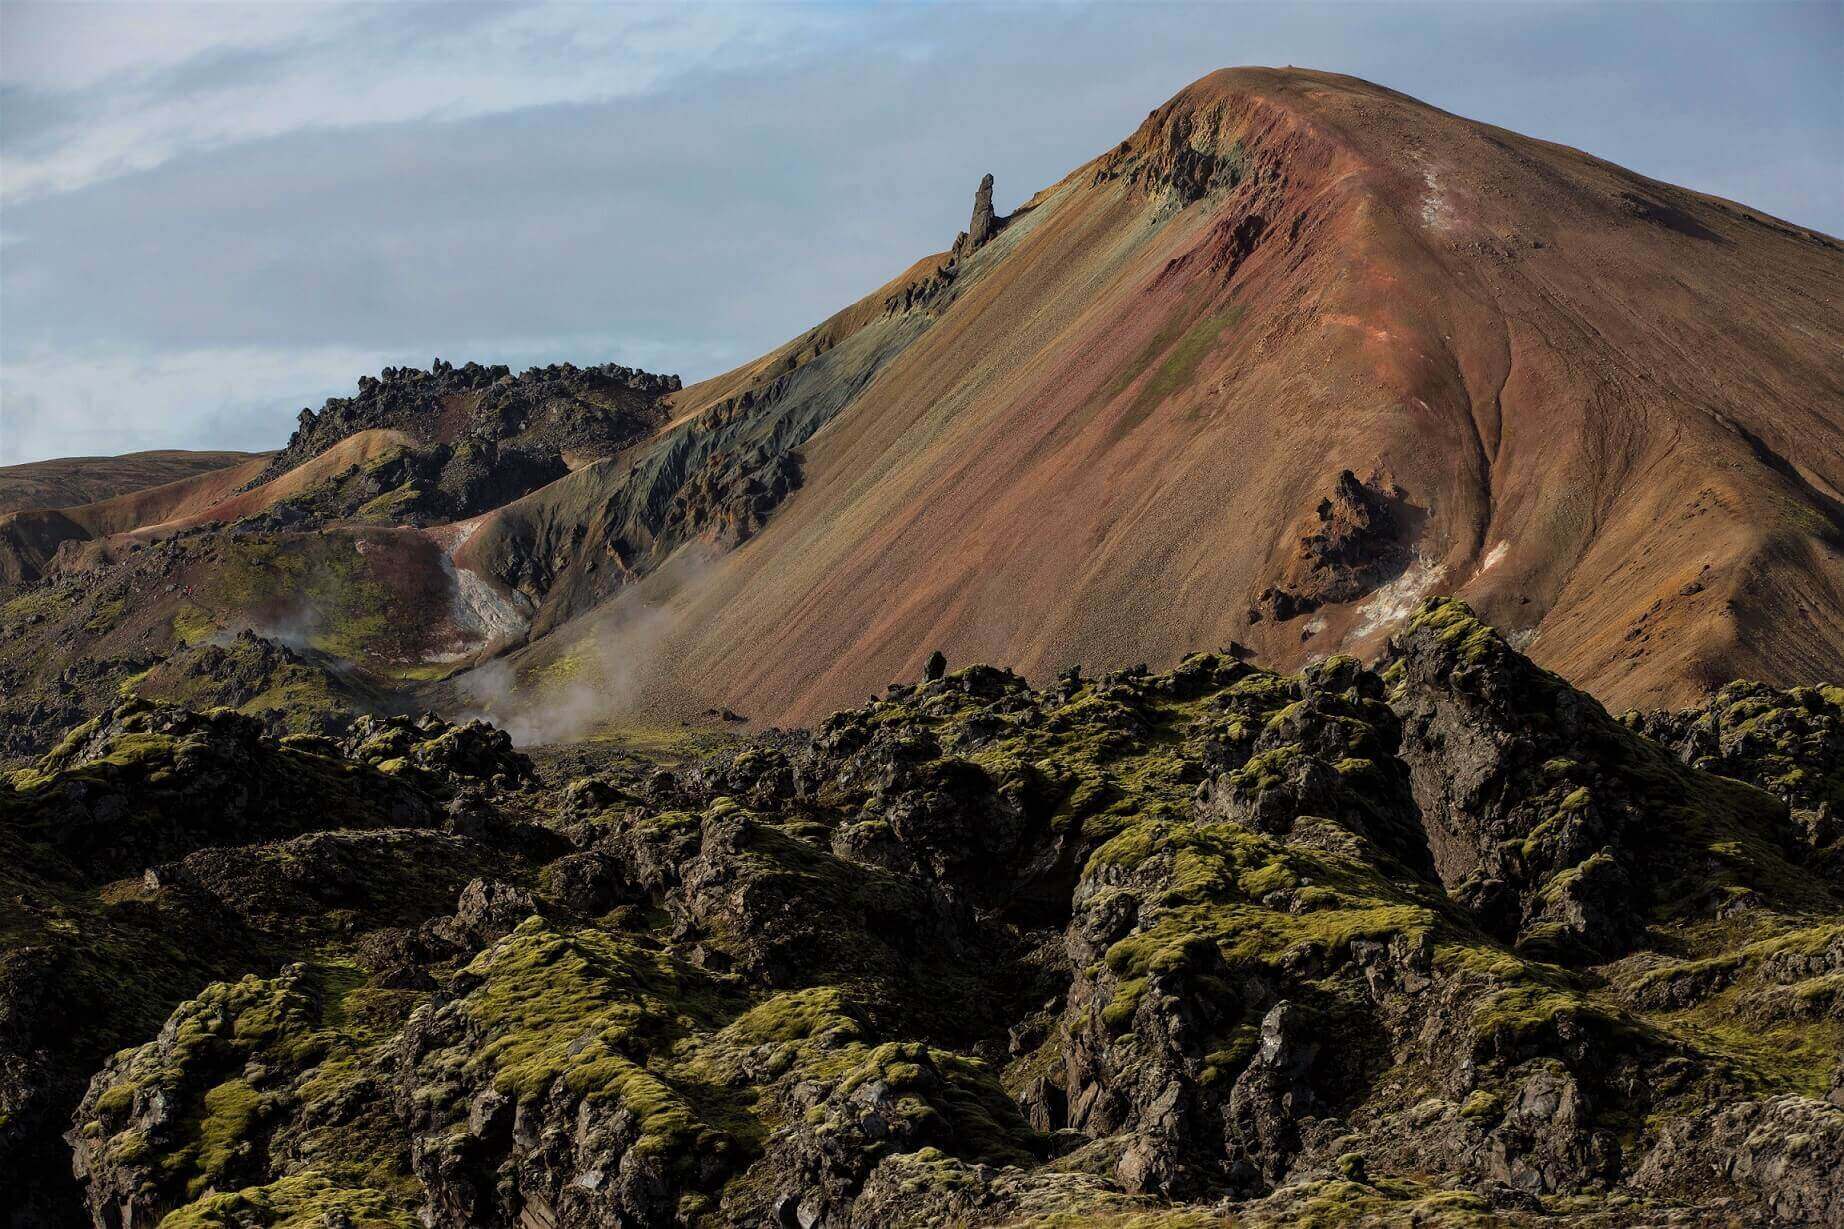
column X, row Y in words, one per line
column 68, row 481
column 1296, row 353
column 1607, row 411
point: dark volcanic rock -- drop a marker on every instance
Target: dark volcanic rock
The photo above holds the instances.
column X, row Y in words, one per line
column 1788, row 741
column 1786, row 1152
column 1331, row 753
column 149, row 782
column 981, row 228
column 441, row 753
column 1331, row 948
column 481, row 437
column 412, row 401
column 1541, row 810
column 1358, row 539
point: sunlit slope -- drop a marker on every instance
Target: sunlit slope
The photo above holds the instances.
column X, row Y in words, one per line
column 68, row 481
column 1608, row 411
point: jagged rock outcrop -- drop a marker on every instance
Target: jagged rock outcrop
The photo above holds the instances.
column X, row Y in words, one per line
column 450, row 442
column 1357, row 540
column 472, row 752
column 1788, row 741
column 255, row 1089
column 1212, row 941
column 980, row 229
column 566, row 405
column 155, row 851
column 1784, row 1152
column 147, row 782
column 291, row 690
column 1175, row 151
column 1542, row 810
column 1330, row 754
column 984, row 222
column 732, row 497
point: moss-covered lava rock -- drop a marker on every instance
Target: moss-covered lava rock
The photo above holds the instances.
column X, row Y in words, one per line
column 1441, row 943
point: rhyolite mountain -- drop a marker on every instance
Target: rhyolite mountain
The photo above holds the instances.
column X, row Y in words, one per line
column 1369, row 912
column 1606, row 411
column 1297, row 352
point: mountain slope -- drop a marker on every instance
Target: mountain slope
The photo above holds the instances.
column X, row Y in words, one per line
column 1298, row 352
column 68, row 481
column 1608, row 411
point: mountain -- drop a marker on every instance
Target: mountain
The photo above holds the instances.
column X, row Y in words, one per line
column 1607, row 411
column 1296, row 353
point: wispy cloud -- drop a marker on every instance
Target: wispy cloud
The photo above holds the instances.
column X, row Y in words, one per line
column 107, row 89
column 212, row 215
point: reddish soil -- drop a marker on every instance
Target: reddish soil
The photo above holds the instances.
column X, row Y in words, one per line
column 1617, row 405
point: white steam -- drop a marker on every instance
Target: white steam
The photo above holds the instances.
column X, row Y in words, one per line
column 294, row 630
column 601, row 675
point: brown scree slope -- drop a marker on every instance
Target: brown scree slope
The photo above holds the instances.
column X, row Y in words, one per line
column 1607, row 411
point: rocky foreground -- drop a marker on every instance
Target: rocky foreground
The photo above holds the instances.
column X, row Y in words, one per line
column 1440, row 944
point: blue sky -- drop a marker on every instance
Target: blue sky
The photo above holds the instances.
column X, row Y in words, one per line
column 212, row 215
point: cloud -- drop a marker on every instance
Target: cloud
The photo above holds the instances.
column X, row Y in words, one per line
column 215, row 215
column 143, row 83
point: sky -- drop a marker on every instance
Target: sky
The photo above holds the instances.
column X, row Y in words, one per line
column 213, row 215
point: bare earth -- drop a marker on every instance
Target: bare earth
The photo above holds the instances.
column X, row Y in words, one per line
column 1615, row 407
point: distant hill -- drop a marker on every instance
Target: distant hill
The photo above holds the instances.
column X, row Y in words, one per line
column 84, row 480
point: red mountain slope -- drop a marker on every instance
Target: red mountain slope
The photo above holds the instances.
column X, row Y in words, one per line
column 1607, row 411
